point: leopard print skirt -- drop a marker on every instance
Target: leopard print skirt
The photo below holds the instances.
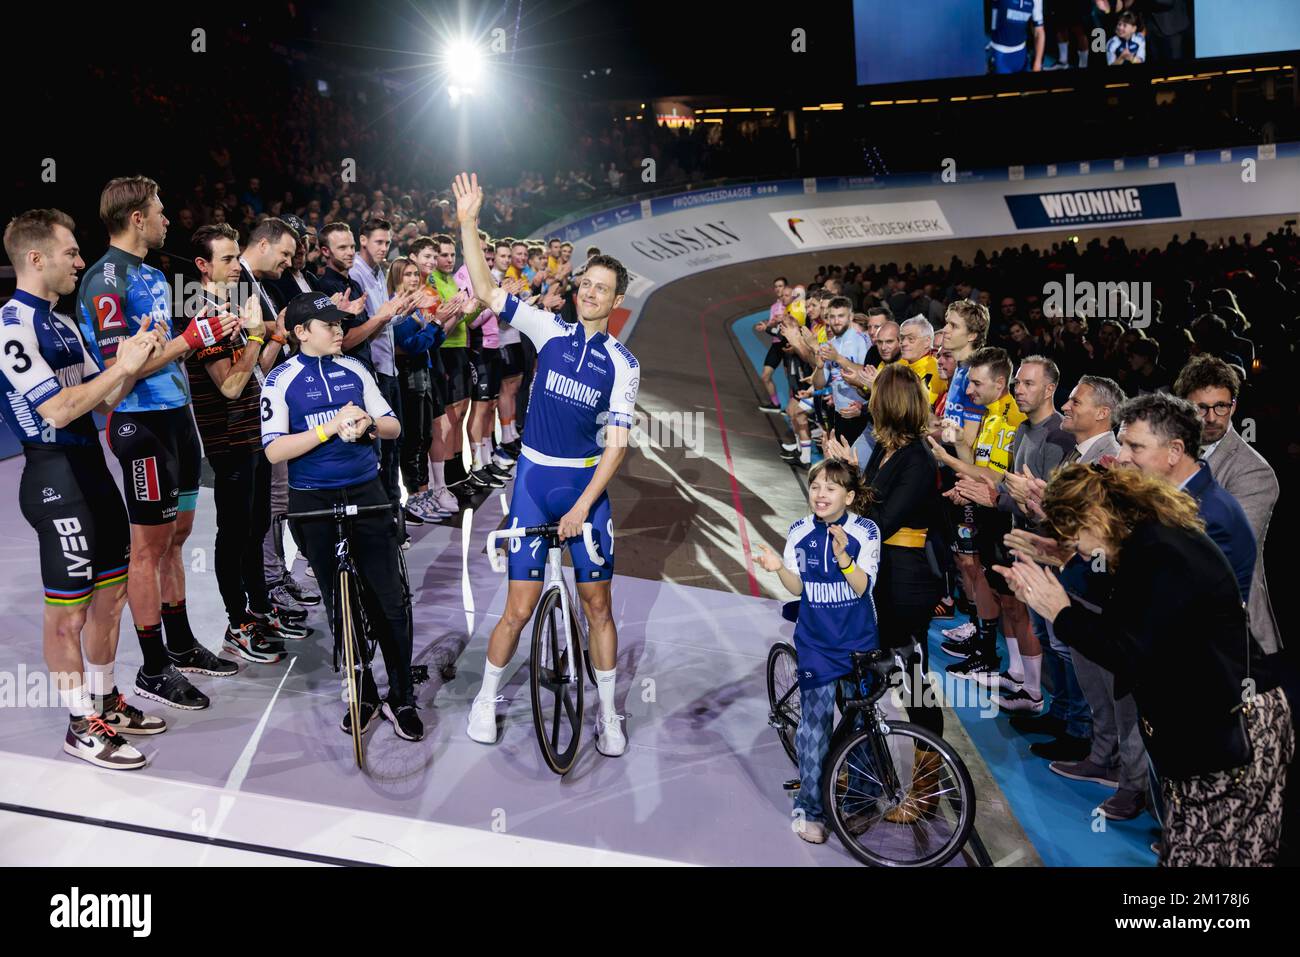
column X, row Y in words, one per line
column 1234, row 818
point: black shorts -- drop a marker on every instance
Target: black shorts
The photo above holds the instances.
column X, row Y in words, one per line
column 456, row 380
column 436, row 388
column 775, row 356
column 991, row 526
column 485, row 367
column 68, row 495
column 161, row 461
column 512, row 360
column 961, row 519
column 795, row 368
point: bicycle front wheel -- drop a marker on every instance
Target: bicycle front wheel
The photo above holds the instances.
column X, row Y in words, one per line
column 348, row 605
column 900, row 799
column 783, row 695
column 555, row 671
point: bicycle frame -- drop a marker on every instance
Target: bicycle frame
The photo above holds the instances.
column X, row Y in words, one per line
column 554, row 573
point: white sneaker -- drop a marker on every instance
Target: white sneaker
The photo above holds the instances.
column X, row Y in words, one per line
column 610, row 740
column 816, row 432
column 483, row 720
column 960, row 633
column 444, row 501
column 502, row 462
column 814, row 832
column 790, row 446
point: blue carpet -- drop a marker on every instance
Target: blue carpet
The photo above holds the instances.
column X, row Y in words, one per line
column 1056, row 813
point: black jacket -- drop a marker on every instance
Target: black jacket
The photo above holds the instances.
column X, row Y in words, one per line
column 1174, row 633
column 906, row 496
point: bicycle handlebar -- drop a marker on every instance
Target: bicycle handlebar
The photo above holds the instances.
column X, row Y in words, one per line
column 545, row 531
column 340, row 511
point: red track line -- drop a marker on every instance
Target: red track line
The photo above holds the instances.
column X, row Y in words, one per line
column 726, row 446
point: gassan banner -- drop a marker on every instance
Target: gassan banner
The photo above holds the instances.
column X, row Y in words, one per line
column 1083, row 207
column 814, row 228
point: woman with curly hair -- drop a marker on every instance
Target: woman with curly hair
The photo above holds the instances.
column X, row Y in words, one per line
column 1213, row 716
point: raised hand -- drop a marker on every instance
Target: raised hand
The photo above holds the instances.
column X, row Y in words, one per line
column 469, row 197
column 767, row 559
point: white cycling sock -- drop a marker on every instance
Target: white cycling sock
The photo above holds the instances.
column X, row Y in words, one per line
column 805, row 452
column 1063, row 52
column 1033, row 675
column 478, row 456
column 605, row 683
column 491, row 681
column 439, row 479
column 99, row 678
column 1016, row 668
column 77, row 701
column 485, row 449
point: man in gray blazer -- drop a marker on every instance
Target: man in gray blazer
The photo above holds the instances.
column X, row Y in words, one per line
column 1211, row 385
column 1116, row 757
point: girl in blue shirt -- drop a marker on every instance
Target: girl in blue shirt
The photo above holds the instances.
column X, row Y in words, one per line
column 830, row 562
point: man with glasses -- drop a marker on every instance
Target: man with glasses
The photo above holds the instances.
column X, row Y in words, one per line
column 1211, row 385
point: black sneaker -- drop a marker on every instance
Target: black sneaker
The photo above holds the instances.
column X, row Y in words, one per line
column 958, row 649
column 291, row 615
column 405, row 721
column 249, row 642
column 125, row 718
column 300, row 594
column 410, row 518
column 369, row 710
column 199, row 661
column 1046, row 724
column 975, row 666
column 500, row 473
column 277, row 629
column 1064, row 748
column 171, row 688
column 486, row 479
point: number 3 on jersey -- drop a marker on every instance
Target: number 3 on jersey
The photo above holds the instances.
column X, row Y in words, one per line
column 108, row 312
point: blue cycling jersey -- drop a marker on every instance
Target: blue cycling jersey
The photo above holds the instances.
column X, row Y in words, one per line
column 833, row 620
column 579, row 385
column 117, row 294
column 1011, row 19
column 41, row 354
column 958, row 406
column 1136, row 46
column 307, row 391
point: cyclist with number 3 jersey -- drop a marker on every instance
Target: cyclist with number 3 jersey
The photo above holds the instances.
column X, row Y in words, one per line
column 52, row 383
column 579, row 415
column 152, row 434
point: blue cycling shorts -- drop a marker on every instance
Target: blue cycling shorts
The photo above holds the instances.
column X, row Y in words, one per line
column 543, row 494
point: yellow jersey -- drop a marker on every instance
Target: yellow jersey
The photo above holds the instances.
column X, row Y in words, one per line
column 927, row 370
column 997, row 432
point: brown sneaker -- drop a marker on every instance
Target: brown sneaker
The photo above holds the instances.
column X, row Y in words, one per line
column 125, row 718
column 92, row 740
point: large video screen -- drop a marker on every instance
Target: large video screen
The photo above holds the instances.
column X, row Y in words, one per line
column 945, row 39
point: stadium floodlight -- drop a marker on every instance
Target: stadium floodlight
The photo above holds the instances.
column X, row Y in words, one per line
column 463, row 59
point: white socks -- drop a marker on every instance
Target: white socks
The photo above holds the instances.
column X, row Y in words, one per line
column 439, row 476
column 1016, row 669
column 77, row 701
column 100, row 678
column 805, row 452
column 491, row 681
column 1033, row 675
column 605, row 689
column 1063, row 52
column 508, row 431
column 479, row 461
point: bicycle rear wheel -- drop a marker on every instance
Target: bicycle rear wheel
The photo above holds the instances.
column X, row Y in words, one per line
column 783, row 695
column 555, row 671
column 902, row 799
column 348, row 602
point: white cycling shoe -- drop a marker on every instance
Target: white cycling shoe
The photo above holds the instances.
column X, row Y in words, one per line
column 483, row 720
column 610, row 740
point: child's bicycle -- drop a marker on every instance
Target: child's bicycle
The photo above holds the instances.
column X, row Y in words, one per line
column 895, row 794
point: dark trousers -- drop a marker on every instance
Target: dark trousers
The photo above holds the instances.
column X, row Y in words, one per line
column 242, row 491
column 905, row 625
column 525, row 384
column 848, row 429
column 417, row 422
column 389, row 449
column 373, row 545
